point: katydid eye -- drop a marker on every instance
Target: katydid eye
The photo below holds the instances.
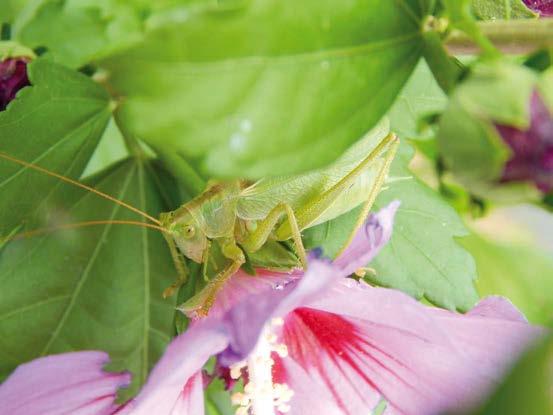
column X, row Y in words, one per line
column 189, row 231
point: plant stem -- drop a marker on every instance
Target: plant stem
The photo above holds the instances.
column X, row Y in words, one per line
column 509, row 36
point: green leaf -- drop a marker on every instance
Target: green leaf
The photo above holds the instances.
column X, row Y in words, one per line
column 501, row 9
column 528, row 388
column 76, row 32
column 217, row 399
column 421, row 96
column 110, row 149
column 517, row 271
column 96, row 287
column 327, row 71
column 423, row 257
column 56, row 123
column 10, row 9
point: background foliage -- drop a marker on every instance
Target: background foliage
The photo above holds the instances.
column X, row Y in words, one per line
column 148, row 100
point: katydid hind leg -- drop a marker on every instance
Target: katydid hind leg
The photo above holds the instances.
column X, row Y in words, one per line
column 312, row 210
column 380, row 178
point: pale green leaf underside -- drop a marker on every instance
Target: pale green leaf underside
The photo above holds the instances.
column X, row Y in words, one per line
column 56, row 124
column 93, row 288
column 277, row 88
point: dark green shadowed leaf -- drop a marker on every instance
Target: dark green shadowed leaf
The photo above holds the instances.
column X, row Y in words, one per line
column 98, row 287
column 278, row 87
column 56, row 123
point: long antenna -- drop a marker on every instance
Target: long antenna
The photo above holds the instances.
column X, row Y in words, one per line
column 67, row 226
column 78, row 184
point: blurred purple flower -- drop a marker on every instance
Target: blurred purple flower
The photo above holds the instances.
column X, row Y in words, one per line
column 543, row 7
column 13, row 77
column 69, row 383
column 532, row 149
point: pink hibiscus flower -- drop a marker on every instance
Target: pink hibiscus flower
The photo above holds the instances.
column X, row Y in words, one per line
column 323, row 343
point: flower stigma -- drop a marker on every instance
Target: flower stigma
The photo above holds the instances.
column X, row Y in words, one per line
column 261, row 396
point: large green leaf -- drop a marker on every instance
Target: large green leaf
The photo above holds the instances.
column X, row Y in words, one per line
column 277, row 87
column 520, row 272
column 56, row 123
column 97, row 287
column 75, row 31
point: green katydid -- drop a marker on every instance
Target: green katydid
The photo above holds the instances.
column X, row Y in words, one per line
column 238, row 218
column 242, row 218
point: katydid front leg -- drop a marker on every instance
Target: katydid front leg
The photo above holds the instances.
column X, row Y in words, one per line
column 180, row 266
column 257, row 238
column 312, row 210
column 202, row 302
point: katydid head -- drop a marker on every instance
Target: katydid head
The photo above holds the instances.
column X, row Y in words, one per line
column 187, row 234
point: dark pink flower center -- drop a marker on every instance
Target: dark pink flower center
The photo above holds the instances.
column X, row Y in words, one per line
column 13, row 77
column 333, row 347
column 532, row 149
column 543, row 7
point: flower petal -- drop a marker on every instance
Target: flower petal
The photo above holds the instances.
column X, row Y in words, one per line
column 363, row 342
column 173, row 387
column 76, row 381
column 368, row 241
column 241, row 285
column 245, row 322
